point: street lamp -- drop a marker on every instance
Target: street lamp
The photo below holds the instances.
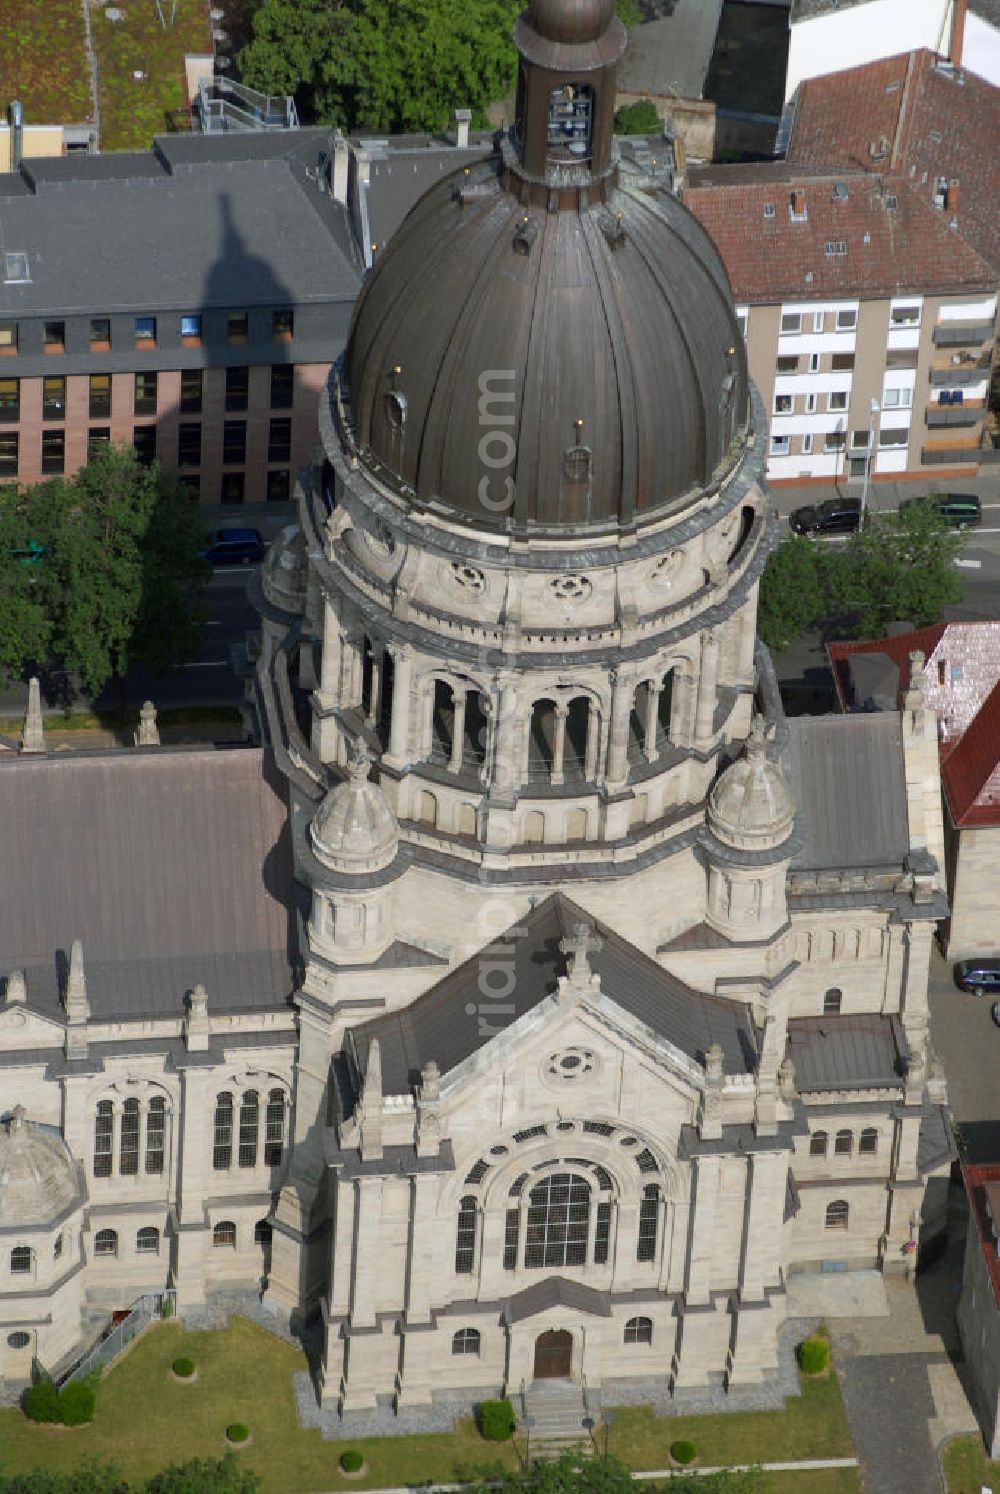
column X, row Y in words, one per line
column 869, row 458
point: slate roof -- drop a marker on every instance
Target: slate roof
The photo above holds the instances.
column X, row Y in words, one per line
column 402, row 169
column 938, row 121
column 189, row 224
column 862, row 1052
column 673, row 53
column 454, row 1019
column 171, row 867
column 847, row 776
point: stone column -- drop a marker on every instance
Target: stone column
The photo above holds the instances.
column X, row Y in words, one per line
column 706, row 1175
column 329, row 679
column 559, row 741
column 621, row 710
column 707, row 684
column 593, row 740
column 652, row 706
column 366, row 1252
column 427, row 720
column 194, row 1143
column 399, row 731
column 376, row 687
column 457, row 731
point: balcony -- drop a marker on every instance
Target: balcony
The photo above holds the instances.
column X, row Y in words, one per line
column 967, row 371
column 957, row 455
column 963, row 334
column 967, row 413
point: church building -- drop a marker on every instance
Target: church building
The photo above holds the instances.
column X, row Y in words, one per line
column 534, row 1000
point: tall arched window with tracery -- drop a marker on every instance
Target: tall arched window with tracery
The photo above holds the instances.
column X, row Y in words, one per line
column 222, row 1138
column 465, row 1237
column 558, row 1221
column 249, row 1121
column 128, row 1145
column 156, row 1127
column 274, row 1128
column 649, row 1220
column 104, row 1132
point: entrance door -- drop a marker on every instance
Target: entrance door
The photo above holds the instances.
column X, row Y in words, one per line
column 553, row 1355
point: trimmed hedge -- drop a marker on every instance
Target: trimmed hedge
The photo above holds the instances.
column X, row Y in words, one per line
column 183, row 1368
column 41, row 1402
column 237, row 1431
column 813, row 1354
column 71, row 1407
column 496, row 1420
column 352, row 1461
column 683, row 1452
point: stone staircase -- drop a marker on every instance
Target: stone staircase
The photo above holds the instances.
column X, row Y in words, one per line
column 553, row 1414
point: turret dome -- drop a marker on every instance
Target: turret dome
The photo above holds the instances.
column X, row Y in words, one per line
column 572, row 21
column 38, row 1178
column 751, row 807
column 354, row 829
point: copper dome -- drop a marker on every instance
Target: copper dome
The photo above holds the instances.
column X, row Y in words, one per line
column 572, row 21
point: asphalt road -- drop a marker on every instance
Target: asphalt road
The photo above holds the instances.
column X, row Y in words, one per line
column 968, row 1043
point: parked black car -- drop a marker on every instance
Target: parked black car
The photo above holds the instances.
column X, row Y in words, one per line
column 981, row 975
column 235, row 547
column 835, row 516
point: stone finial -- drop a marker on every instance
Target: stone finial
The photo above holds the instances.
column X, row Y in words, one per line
column 913, row 700
column 430, row 1081
column 370, row 1104
column 714, row 1061
column 77, row 1005
column 16, row 1122
column 148, row 733
column 196, row 1027
column 359, row 765
column 757, row 737
column 33, row 735
column 17, row 989
column 786, row 1080
column 578, row 947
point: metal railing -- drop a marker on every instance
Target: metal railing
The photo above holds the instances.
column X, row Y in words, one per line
column 148, row 1309
column 224, row 104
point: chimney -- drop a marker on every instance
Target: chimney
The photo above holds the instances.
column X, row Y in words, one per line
column 16, row 115
column 957, row 32
column 951, row 196
column 341, row 167
column 463, row 118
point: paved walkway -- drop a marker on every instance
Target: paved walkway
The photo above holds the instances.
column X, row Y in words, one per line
column 803, row 1467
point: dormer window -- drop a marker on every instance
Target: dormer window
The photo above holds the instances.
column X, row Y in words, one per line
column 577, row 462
column 571, row 110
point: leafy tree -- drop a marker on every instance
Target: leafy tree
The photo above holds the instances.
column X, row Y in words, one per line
column 900, row 567
column 25, row 628
column 387, row 64
column 89, row 1478
column 574, row 1473
column 639, row 118
column 205, row 1476
column 791, row 592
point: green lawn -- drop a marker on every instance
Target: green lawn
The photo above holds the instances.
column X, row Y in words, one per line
column 43, row 61
column 813, row 1425
column 134, row 110
column 967, row 1469
column 145, row 1420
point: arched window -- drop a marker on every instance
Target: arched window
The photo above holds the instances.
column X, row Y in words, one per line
column 147, row 1241
column 442, row 722
column 541, row 741
column 639, row 1331
column 832, row 1001
column 20, row 1259
column 570, row 122
column 249, row 1121
column 465, row 1236
column 558, row 1221
column 837, row 1214
column 664, row 709
column 602, row 1234
column 817, row 1144
column 104, row 1130
column 274, row 1128
column 224, row 1235
column 578, row 729
column 128, row 1144
column 222, row 1143
column 843, row 1146
column 156, row 1125
column 868, row 1142
column 262, row 1232
column 649, row 1217
column 466, row 1341
column 106, row 1242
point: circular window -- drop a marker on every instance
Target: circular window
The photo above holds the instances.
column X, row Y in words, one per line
column 468, row 577
column 666, row 568
column 380, row 539
column 566, row 1067
column 18, row 1340
column 570, row 588
column 499, row 1151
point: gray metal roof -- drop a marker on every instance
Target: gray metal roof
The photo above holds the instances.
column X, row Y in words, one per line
column 805, row 10
column 672, row 54
column 438, row 1024
column 847, row 776
column 188, row 226
column 170, row 867
column 862, row 1052
column 557, row 1291
column 402, row 170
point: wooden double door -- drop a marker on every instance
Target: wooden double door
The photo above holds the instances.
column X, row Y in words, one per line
column 553, row 1355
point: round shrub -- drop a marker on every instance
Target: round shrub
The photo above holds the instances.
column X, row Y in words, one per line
column 237, row 1431
column 683, row 1452
column 496, row 1420
column 41, row 1402
column 813, row 1354
column 76, row 1403
column 183, row 1368
column 352, row 1461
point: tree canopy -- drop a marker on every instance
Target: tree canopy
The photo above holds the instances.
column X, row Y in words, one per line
column 575, row 1473
column 639, row 118
column 387, row 64
column 101, row 571
column 197, row 1476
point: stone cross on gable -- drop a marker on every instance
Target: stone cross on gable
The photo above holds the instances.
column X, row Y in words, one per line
column 578, row 947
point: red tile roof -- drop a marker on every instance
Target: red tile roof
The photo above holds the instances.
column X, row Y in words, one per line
column 970, row 773
column 898, row 649
column 934, row 121
column 977, row 1179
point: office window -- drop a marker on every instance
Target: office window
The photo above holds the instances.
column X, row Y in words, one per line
column 54, row 336
column 145, row 331
column 282, row 325
column 905, row 316
column 189, row 445
column 10, row 399
column 54, row 399
column 834, row 441
column 782, row 404
column 191, row 381
column 277, row 487
column 842, row 362
column 97, row 436
column 237, row 326
column 53, row 451
column 191, row 328
column 837, row 400
column 847, row 321
column 232, row 487
column 8, row 337
column 279, row 440
column 237, row 388
column 779, row 446
column 100, row 396
column 100, row 333
column 897, row 399
column 234, row 442
column 145, row 394
column 15, row 268
column 144, row 441
column 791, row 322
column 860, row 440
column 787, row 365
column 282, row 385
column 8, row 453
column 888, row 437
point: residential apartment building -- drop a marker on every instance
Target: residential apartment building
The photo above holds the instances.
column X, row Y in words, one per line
column 865, row 271
column 979, row 1304
column 188, row 300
